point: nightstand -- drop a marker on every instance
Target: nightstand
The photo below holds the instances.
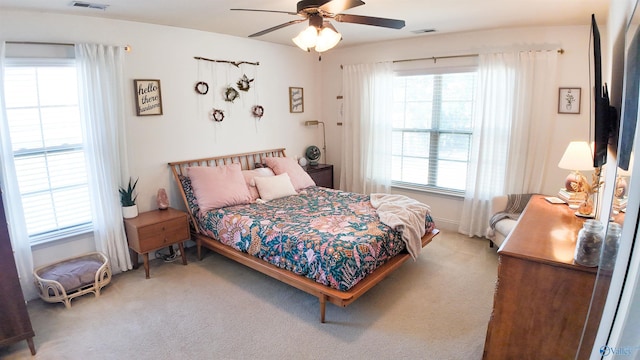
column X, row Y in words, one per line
column 153, row 230
column 322, row 174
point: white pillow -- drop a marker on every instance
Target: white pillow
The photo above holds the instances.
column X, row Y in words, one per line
column 274, row 187
column 249, row 175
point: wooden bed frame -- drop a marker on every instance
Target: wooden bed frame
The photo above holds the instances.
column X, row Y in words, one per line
column 322, row 292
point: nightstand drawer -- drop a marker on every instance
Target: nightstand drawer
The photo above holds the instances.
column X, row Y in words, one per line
column 163, row 234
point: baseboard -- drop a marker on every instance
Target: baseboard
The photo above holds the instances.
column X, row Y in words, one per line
column 446, row 224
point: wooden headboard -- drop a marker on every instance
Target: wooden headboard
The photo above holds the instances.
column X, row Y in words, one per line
column 247, row 161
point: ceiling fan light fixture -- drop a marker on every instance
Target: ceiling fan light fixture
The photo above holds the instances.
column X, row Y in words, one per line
column 327, row 39
column 307, row 38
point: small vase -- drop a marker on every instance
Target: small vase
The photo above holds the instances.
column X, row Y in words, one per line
column 129, row 212
column 586, row 208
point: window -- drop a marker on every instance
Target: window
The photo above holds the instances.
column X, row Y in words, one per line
column 432, row 128
column 46, row 135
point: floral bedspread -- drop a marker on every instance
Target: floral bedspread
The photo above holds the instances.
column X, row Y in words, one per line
column 333, row 237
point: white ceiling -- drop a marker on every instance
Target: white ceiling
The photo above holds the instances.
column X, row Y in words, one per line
column 443, row 15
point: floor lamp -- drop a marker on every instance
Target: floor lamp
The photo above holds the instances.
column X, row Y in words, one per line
column 324, row 138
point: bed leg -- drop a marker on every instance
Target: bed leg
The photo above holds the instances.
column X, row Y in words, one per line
column 323, row 306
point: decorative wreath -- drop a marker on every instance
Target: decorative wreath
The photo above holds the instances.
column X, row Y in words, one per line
column 257, row 111
column 231, row 94
column 217, row 115
column 202, row 87
column 244, row 83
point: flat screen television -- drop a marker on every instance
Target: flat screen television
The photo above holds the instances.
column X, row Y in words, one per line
column 604, row 115
column 631, row 95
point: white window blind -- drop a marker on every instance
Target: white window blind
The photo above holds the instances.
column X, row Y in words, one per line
column 41, row 102
column 432, row 128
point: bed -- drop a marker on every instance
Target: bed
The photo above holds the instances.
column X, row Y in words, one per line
column 328, row 243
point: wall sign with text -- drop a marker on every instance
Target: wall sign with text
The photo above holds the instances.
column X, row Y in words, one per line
column 148, row 98
column 296, row 99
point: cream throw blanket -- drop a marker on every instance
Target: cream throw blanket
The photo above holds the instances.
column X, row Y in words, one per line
column 405, row 215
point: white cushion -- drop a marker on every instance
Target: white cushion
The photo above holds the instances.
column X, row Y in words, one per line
column 274, row 187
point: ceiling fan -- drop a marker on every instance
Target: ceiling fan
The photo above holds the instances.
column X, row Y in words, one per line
column 320, row 34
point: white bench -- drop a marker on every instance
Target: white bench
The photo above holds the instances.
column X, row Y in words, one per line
column 73, row 277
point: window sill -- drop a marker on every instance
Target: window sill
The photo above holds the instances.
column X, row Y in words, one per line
column 429, row 189
column 43, row 240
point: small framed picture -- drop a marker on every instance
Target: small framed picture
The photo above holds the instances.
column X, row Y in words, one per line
column 148, row 97
column 296, row 99
column 569, row 101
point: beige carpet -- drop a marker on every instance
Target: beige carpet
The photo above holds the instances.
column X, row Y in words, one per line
column 435, row 308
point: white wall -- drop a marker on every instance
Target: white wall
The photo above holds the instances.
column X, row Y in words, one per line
column 184, row 132
column 573, row 72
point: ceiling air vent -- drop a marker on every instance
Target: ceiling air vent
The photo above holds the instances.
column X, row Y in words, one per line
column 87, row 5
column 423, row 31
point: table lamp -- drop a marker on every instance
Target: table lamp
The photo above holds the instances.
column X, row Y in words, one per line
column 576, row 157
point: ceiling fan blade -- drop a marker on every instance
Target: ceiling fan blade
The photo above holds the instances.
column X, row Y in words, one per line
column 370, row 20
column 271, row 11
column 336, row 6
column 260, row 33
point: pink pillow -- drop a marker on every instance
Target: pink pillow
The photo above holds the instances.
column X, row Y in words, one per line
column 218, row 186
column 249, row 176
column 299, row 178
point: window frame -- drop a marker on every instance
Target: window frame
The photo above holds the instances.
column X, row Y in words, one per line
column 59, row 233
column 435, row 69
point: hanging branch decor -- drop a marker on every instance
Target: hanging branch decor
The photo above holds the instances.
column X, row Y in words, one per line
column 231, row 94
column 202, row 87
column 217, row 115
column 234, row 63
column 244, row 84
column 257, row 111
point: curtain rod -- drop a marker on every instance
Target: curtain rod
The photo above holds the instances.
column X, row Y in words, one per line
column 434, row 58
column 127, row 48
column 234, row 63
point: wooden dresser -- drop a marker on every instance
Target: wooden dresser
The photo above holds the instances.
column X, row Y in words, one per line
column 542, row 297
column 15, row 324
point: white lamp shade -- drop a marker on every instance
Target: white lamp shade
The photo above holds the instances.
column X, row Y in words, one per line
column 307, row 38
column 577, row 156
column 327, row 39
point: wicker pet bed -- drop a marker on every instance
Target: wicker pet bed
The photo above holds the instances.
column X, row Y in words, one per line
column 73, row 277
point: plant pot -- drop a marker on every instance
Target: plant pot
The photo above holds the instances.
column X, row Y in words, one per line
column 129, row 212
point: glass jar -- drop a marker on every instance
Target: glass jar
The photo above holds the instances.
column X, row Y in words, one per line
column 610, row 248
column 587, row 251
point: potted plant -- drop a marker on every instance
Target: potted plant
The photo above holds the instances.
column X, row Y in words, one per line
column 128, row 200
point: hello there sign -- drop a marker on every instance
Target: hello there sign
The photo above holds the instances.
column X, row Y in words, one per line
column 148, row 98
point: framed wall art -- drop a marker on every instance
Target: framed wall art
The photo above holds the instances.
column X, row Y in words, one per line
column 148, row 97
column 296, row 99
column 569, row 100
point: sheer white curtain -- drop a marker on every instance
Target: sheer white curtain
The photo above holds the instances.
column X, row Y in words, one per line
column 12, row 201
column 516, row 99
column 101, row 85
column 366, row 144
